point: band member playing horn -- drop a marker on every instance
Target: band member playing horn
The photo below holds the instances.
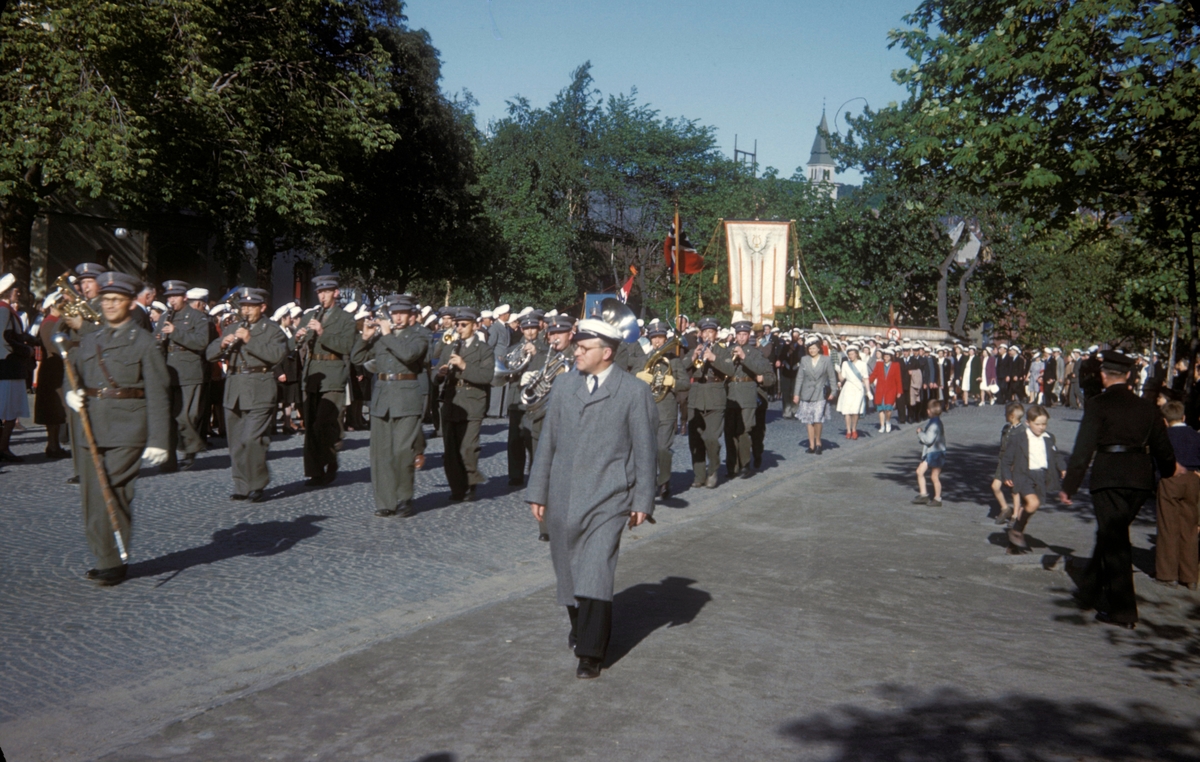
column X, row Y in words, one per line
column 556, row 359
column 183, row 334
column 466, row 374
column 666, row 376
column 119, row 375
column 518, row 364
column 709, row 365
column 751, row 369
column 398, row 347
column 329, row 335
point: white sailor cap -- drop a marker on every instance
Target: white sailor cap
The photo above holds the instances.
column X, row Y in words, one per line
column 351, row 307
column 591, row 328
column 524, row 312
column 431, row 319
column 1093, row 348
column 486, row 314
column 362, row 314
column 425, row 311
column 197, row 293
column 217, row 310
column 550, row 314
column 157, row 305
column 279, row 313
column 7, row 281
column 502, row 310
column 50, row 299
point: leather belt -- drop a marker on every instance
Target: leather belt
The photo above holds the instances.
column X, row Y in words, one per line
column 178, row 348
column 1143, row 449
column 109, row 393
column 743, row 379
column 396, row 376
column 242, row 371
column 467, row 385
column 325, row 357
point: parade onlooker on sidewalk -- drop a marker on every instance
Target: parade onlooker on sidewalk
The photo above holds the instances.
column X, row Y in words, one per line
column 852, row 400
column 933, row 455
column 1032, row 466
column 1014, row 413
column 815, row 383
column 1176, row 553
column 888, row 381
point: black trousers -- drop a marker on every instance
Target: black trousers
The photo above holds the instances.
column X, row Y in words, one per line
column 520, row 445
column 1107, row 582
column 591, row 627
column 759, row 431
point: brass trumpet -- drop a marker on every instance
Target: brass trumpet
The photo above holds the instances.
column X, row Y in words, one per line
column 701, row 350
column 71, row 303
column 450, row 336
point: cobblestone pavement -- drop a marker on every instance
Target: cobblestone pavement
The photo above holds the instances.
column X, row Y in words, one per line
column 242, row 607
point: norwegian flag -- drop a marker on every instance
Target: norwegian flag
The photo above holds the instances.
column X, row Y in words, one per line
column 623, row 293
column 690, row 262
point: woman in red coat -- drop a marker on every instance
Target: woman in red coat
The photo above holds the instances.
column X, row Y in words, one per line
column 888, row 386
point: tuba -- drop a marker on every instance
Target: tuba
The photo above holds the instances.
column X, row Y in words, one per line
column 71, row 303
column 513, row 362
column 658, row 365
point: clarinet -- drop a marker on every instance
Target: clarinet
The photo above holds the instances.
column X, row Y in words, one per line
column 166, row 318
column 235, row 345
column 451, row 373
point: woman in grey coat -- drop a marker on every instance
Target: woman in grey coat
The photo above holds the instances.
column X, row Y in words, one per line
column 815, row 382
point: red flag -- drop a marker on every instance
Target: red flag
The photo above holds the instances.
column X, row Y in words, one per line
column 623, row 294
column 690, row 262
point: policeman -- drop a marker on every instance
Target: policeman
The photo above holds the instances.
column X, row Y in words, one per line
column 329, row 336
column 183, row 334
column 709, row 364
column 125, row 387
column 466, row 373
column 252, row 348
column 1128, row 438
column 398, row 347
column 558, row 349
column 666, row 378
column 520, row 444
column 742, row 395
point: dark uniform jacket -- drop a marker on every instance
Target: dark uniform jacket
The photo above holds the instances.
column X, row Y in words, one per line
column 707, row 390
column 1117, row 416
column 742, row 386
column 400, row 352
column 132, row 360
column 250, row 378
column 185, row 346
column 325, row 369
column 630, row 357
column 465, row 392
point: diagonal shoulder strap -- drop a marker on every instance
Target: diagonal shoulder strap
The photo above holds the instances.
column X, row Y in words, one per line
column 100, row 360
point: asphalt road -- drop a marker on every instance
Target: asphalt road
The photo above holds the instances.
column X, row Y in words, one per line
column 810, row 612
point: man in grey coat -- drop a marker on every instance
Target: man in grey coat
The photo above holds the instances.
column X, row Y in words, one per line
column 594, row 470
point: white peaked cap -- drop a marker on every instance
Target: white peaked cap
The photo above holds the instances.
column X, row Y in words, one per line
column 552, row 313
column 352, row 307
column 156, row 305
column 50, row 299
column 362, row 314
column 503, row 309
column 597, row 328
column 279, row 313
column 425, row 311
column 6, row 282
column 217, row 310
column 486, row 314
column 196, row 293
column 524, row 312
column 295, row 311
column 430, row 320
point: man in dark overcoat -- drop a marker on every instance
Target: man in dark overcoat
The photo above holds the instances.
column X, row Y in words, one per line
column 1128, row 438
column 593, row 472
column 123, row 382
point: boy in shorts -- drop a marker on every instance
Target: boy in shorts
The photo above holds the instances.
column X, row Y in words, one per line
column 933, row 455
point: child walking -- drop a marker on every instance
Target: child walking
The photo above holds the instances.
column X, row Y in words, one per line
column 933, row 455
column 1014, row 412
column 1032, row 466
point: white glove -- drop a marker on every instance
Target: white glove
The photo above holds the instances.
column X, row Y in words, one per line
column 527, row 376
column 155, row 456
column 75, row 400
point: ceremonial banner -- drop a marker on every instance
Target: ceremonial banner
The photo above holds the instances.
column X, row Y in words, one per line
column 758, row 265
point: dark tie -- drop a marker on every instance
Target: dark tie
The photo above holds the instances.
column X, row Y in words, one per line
column 593, row 382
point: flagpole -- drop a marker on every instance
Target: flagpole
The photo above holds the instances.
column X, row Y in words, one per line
column 677, row 237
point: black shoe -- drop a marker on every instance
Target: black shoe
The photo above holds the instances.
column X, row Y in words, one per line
column 73, row 480
column 746, row 473
column 589, row 668
column 516, row 482
column 1103, row 617
column 92, row 573
column 758, row 462
column 665, row 493
column 237, row 496
column 187, row 463
column 168, row 468
column 11, row 457
column 255, row 496
column 111, row 576
column 58, row 454
column 543, row 537
column 809, row 450
column 819, row 449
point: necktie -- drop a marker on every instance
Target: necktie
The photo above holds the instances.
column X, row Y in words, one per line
column 593, row 382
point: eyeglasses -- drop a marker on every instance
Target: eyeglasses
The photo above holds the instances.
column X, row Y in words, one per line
column 463, row 324
column 580, row 349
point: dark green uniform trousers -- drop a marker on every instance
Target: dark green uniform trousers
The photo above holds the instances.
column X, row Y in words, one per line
column 667, row 410
column 461, row 441
column 322, row 432
column 704, row 440
column 185, row 421
column 520, row 444
column 739, row 421
column 122, row 465
column 759, row 432
column 248, row 433
column 395, row 443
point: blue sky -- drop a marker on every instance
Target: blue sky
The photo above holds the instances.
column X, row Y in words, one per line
column 759, row 69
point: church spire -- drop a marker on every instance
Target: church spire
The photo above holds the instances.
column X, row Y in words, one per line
column 820, row 163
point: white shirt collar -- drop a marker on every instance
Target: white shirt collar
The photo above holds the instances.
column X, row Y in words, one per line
column 602, row 376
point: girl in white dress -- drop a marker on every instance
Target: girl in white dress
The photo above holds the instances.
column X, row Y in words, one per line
column 852, row 380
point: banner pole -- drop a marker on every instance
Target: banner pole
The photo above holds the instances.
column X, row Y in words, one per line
column 677, row 237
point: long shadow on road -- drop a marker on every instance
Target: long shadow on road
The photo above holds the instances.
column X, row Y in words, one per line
column 640, row 610
column 950, row 726
column 267, row 538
